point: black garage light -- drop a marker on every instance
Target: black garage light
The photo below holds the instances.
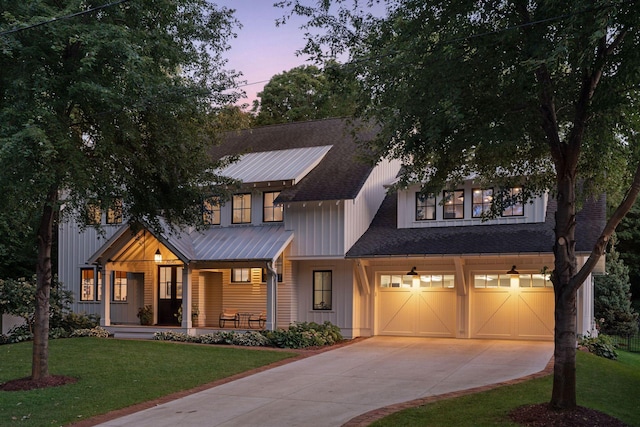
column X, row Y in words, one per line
column 412, row 272
column 513, row 270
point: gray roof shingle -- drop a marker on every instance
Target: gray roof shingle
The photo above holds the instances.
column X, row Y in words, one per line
column 384, row 239
column 339, row 176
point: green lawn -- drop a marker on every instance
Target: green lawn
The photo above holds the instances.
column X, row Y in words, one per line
column 608, row 386
column 114, row 374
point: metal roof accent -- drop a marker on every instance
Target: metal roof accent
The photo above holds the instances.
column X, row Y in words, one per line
column 272, row 166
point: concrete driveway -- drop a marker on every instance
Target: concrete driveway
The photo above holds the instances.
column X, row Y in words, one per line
column 333, row 387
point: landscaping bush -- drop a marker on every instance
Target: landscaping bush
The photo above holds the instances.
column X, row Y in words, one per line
column 96, row 331
column 602, row 346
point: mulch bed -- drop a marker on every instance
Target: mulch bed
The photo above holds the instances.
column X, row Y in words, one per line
column 541, row 415
column 22, row 384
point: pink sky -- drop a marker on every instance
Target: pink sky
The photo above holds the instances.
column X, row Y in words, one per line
column 261, row 49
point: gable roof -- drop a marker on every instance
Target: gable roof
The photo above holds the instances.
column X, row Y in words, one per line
column 339, row 175
column 383, row 238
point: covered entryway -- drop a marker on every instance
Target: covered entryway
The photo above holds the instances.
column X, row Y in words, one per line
column 169, row 294
column 416, row 305
column 517, row 306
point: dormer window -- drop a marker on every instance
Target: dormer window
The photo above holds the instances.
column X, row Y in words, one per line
column 241, row 208
column 516, row 208
column 271, row 212
column 114, row 213
column 93, row 214
column 453, row 204
column 481, row 202
column 211, row 211
column 425, row 207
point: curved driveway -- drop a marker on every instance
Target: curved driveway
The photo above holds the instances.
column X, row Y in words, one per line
column 335, row 386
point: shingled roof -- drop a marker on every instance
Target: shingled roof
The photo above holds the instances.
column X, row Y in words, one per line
column 339, row 176
column 383, row 238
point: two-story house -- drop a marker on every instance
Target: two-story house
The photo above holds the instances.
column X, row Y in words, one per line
column 312, row 235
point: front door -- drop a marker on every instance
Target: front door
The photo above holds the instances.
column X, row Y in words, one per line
column 169, row 294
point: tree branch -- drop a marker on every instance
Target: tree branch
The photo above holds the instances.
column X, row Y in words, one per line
column 601, row 245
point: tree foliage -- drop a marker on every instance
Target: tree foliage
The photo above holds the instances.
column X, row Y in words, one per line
column 612, row 303
column 542, row 94
column 306, row 93
column 106, row 106
column 628, row 233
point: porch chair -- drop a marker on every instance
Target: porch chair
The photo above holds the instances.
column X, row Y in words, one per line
column 259, row 318
column 229, row 314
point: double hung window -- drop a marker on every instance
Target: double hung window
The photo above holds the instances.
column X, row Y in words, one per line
column 425, row 207
column 453, row 204
column 322, row 292
column 241, row 208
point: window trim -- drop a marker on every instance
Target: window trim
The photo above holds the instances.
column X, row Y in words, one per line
column 445, row 203
column 233, row 275
column 242, row 209
column 424, row 205
column 484, row 207
column 211, row 207
column 322, row 305
column 273, row 208
column 502, row 214
column 96, row 283
column 119, row 276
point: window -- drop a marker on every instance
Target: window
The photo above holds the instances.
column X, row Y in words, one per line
column 524, row 280
column 114, row 213
column 211, row 211
column 271, row 212
column 241, row 208
column 90, row 288
column 322, row 290
column 240, row 275
column 481, row 202
column 119, row 286
column 492, row 281
column 425, row 207
column 278, row 267
column 453, row 204
column 422, row 281
column 515, row 207
column 93, row 214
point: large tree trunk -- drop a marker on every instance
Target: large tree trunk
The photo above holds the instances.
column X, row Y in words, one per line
column 564, row 371
column 40, row 360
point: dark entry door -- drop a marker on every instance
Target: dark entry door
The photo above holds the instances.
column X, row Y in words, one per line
column 169, row 294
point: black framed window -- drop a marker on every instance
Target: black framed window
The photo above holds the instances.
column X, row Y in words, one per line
column 425, row 207
column 453, row 204
column 93, row 214
column 322, row 290
column 119, row 286
column 114, row 213
column 240, row 275
column 515, row 208
column 211, row 211
column 271, row 212
column 90, row 285
column 241, row 208
column 481, row 201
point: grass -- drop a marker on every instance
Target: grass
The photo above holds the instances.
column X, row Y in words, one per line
column 608, row 386
column 114, row 374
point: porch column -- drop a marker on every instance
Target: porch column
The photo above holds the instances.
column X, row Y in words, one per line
column 272, row 296
column 105, row 303
column 187, row 300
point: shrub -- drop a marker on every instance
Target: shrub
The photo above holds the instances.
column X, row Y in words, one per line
column 174, row 336
column 602, row 346
column 305, row 334
column 72, row 321
column 145, row 314
column 91, row 332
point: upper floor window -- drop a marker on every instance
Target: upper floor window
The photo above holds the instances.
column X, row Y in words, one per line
column 90, row 285
column 322, row 292
column 93, row 214
column 515, row 208
column 211, row 211
column 453, row 204
column 481, row 202
column 114, row 213
column 271, row 212
column 241, row 208
column 425, row 207
column 240, row 275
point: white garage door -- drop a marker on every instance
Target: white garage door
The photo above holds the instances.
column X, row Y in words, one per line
column 512, row 307
column 422, row 305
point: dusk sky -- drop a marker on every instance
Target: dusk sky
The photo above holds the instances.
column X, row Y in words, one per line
column 261, row 49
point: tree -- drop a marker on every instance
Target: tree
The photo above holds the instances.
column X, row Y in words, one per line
column 232, row 117
column 102, row 105
column 305, row 93
column 612, row 304
column 628, row 233
column 540, row 93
